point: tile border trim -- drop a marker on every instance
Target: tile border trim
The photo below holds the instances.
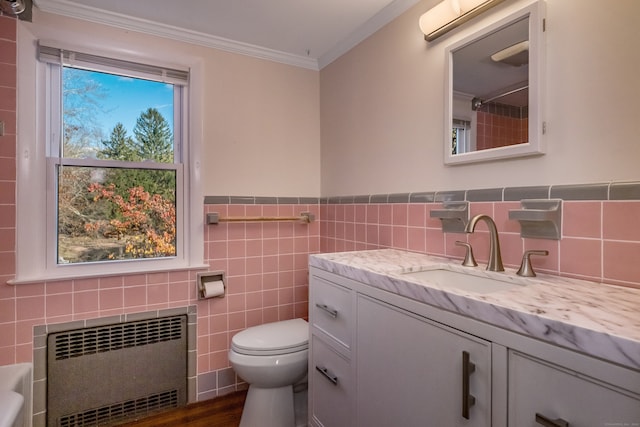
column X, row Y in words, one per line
column 598, row 192
column 259, row 200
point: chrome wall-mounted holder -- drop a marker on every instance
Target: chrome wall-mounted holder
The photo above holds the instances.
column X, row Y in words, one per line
column 454, row 216
column 539, row 219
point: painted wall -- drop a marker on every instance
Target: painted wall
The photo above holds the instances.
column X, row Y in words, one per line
column 382, row 117
column 262, row 128
column 261, row 118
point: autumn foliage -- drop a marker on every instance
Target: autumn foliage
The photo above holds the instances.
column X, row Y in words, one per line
column 145, row 223
column 117, row 201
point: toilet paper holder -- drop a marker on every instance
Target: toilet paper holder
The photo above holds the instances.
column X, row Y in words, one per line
column 209, row 277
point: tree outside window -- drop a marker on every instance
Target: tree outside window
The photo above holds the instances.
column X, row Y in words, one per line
column 117, row 198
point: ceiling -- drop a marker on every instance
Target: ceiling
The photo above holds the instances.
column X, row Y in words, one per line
column 306, row 33
column 475, row 73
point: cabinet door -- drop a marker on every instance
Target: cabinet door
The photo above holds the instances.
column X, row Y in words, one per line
column 409, row 371
column 330, row 386
column 543, row 394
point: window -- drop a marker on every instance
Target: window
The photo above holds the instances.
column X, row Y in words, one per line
column 121, row 189
column 461, row 136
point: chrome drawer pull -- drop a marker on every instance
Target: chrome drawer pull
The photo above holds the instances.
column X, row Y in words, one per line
column 547, row 422
column 327, row 375
column 333, row 313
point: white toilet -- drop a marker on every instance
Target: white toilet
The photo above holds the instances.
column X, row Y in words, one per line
column 271, row 358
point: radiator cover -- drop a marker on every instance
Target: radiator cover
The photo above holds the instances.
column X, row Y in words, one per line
column 106, row 375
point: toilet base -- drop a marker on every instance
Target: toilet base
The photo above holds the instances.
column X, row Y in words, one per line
column 268, row 407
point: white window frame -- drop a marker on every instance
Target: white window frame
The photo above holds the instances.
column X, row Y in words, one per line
column 464, row 140
column 36, row 224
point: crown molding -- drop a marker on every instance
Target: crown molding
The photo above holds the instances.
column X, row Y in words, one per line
column 87, row 13
column 382, row 18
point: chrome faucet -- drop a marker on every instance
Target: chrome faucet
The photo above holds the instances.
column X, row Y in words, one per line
column 495, row 258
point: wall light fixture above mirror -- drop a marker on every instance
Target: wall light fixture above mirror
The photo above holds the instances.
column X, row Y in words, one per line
column 449, row 14
column 493, row 90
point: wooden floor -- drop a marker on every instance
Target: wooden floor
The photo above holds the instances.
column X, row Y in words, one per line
column 224, row 411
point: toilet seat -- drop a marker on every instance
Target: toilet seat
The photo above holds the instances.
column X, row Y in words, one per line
column 284, row 337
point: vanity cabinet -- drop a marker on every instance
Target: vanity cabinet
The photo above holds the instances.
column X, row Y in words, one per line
column 411, row 371
column 331, row 388
column 381, row 359
column 545, row 394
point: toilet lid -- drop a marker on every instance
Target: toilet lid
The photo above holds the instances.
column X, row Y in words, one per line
column 282, row 337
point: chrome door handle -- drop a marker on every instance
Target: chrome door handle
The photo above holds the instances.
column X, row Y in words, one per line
column 332, row 312
column 468, row 400
column 547, row 422
column 328, row 375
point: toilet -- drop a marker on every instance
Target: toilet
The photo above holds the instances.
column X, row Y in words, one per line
column 271, row 358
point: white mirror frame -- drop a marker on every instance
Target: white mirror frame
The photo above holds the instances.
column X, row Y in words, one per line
column 535, row 146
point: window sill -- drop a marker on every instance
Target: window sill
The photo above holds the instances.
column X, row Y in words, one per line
column 62, row 277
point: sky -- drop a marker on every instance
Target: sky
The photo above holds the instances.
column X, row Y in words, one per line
column 126, row 98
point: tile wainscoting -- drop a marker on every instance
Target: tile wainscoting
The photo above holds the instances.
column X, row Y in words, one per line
column 600, row 228
column 266, row 270
column 266, row 263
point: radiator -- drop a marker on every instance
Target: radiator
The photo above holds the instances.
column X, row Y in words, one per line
column 107, row 375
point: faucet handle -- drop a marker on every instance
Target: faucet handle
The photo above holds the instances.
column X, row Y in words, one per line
column 526, row 269
column 469, row 260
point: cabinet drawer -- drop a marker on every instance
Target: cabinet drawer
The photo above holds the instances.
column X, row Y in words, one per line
column 331, row 309
column 541, row 393
column 330, row 386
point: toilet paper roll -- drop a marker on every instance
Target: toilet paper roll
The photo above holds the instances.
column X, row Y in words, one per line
column 213, row 289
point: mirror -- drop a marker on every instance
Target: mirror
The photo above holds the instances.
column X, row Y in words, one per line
column 493, row 91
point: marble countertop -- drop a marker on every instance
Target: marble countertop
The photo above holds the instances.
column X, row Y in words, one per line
column 597, row 319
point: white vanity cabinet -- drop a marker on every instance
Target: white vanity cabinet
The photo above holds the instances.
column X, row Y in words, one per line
column 331, row 311
column 381, row 359
column 545, row 394
column 375, row 364
column 411, row 371
column 330, row 386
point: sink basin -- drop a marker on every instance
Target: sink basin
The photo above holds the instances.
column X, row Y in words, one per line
column 462, row 281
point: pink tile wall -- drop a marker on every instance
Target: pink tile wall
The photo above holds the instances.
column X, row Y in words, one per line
column 265, row 264
column 24, row 306
column 600, row 239
column 8, row 74
column 8, row 306
column 266, row 275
